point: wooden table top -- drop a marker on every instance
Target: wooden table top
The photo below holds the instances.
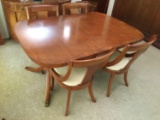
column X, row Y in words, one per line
column 57, row 40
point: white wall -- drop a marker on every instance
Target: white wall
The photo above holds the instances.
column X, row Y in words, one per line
column 110, row 7
column 75, row 0
column 3, row 27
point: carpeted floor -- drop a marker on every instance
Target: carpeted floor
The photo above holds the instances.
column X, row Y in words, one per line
column 22, row 92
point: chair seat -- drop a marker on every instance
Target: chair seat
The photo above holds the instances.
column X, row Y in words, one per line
column 75, row 77
column 120, row 65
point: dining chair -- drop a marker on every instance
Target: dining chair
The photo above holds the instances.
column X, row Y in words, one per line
column 90, row 6
column 75, row 8
column 78, row 74
column 122, row 63
column 41, row 11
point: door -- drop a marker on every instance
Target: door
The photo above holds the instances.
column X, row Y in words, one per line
column 102, row 6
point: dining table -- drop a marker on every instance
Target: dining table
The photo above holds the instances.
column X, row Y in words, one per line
column 54, row 41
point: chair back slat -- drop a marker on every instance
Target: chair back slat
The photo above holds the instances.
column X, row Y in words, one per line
column 91, row 61
column 138, row 50
column 41, row 11
column 92, row 65
column 75, row 8
column 90, row 6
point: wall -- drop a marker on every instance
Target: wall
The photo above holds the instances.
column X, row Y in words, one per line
column 3, row 27
column 75, row 0
column 110, row 7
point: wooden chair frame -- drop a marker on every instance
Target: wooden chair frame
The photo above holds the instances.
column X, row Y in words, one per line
column 90, row 7
column 92, row 66
column 41, row 10
column 138, row 50
column 79, row 5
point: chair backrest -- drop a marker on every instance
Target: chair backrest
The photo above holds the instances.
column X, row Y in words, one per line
column 41, row 11
column 90, row 7
column 134, row 51
column 74, row 8
column 91, row 65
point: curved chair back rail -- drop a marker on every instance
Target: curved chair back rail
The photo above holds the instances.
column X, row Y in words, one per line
column 90, row 7
column 132, row 52
column 79, row 74
column 41, row 11
column 75, row 8
column 123, row 62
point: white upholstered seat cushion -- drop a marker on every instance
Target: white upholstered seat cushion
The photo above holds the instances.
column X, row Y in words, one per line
column 120, row 65
column 75, row 77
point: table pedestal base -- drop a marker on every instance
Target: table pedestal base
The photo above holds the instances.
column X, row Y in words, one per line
column 39, row 69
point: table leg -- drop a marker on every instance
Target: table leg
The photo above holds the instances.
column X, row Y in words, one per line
column 48, row 84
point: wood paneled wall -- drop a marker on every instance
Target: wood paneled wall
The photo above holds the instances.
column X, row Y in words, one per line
column 142, row 14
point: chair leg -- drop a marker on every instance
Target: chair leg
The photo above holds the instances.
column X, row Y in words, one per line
column 47, row 94
column 91, row 92
column 39, row 69
column 125, row 78
column 68, row 101
column 110, row 84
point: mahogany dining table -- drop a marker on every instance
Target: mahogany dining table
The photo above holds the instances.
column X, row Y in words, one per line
column 54, row 41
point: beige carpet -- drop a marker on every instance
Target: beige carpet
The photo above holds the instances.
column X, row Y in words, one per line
column 22, row 92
